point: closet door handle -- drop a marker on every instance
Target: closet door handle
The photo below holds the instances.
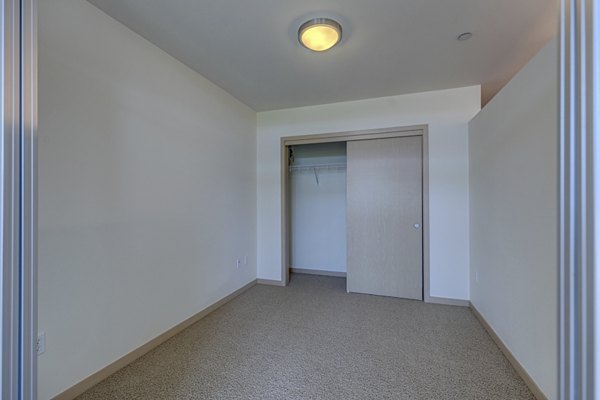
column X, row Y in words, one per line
column 417, row 226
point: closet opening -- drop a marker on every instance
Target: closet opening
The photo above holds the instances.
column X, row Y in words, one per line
column 317, row 180
column 356, row 205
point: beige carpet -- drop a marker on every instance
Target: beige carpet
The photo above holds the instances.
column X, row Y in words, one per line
column 312, row 340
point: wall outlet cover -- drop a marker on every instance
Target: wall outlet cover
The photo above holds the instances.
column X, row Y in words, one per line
column 40, row 345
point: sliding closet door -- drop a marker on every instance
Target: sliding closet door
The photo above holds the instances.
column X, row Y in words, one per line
column 384, row 217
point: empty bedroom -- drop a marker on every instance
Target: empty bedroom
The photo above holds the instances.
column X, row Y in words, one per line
column 297, row 200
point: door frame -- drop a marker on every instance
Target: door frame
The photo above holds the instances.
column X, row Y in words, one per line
column 18, row 210
column 349, row 136
column 579, row 280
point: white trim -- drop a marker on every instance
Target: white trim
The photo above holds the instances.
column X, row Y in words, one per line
column 578, row 150
column 28, row 206
column 448, row 302
column 10, row 109
column 596, row 193
column 307, row 271
column 18, row 208
column 270, row 282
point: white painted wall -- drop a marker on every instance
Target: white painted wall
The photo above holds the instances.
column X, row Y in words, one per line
column 147, row 192
column 447, row 113
column 514, row 216
column 596, row 41
column 318, row 209
column 596, row 117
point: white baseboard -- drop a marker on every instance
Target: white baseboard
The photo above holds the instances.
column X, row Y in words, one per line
column 307, row 271
column 535, row 389
column 447, row 302
column 128, row 358
column 270, row 282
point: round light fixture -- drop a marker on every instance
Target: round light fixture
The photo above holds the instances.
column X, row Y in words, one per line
column 464, row 36
column 320, row 34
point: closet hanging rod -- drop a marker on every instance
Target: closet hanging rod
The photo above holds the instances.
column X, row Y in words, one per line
column 317, row 166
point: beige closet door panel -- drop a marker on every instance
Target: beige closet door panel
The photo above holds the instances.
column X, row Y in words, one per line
column 384, row 217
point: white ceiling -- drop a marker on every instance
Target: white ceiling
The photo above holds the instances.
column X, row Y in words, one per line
column 389, row 47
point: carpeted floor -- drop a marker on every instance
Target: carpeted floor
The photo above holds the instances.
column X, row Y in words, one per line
column 312, row 340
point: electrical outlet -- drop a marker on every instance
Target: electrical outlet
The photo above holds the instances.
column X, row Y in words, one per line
column 237, row 263
column 40, row 345
column 476, row 276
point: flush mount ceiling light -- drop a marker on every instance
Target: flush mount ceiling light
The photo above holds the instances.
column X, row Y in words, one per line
column 320, row 34
column 464, row 36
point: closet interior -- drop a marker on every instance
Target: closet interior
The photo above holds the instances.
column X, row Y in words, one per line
column 317, row 184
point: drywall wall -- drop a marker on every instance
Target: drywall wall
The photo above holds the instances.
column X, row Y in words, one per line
column 447, row 114
column 147, row 192
column 514, row 216
column 596, row 289
column 596, row 206
column 318, row 207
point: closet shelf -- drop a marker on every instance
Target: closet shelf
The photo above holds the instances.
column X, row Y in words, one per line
column 294, row 168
